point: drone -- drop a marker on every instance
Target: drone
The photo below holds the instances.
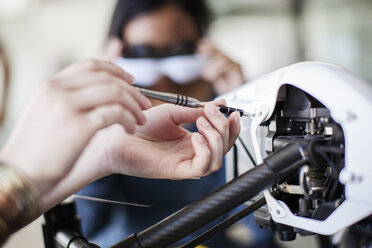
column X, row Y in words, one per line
column 309, row 170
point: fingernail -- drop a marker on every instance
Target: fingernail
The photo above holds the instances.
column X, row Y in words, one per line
column 212, row 109
column 204, row 123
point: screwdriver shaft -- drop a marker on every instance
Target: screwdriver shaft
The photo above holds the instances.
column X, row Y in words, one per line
column 185, row 101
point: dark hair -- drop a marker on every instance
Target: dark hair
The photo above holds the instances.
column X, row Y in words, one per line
column 127, row 10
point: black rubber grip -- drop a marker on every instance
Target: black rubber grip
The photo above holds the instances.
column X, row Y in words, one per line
column 228, row 110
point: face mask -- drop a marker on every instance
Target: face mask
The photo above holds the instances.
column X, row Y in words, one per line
column 181, row 69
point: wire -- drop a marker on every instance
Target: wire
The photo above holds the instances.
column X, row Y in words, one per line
column 235, row 161
column 247, row 151
column 95, row 199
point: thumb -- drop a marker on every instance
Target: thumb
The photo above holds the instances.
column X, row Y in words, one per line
column 180, row 114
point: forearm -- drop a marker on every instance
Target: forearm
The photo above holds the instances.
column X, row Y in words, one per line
column 24, row 198
column 92, row 165
column 78, row 178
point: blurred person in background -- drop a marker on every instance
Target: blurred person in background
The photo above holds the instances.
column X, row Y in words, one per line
column 163, row 44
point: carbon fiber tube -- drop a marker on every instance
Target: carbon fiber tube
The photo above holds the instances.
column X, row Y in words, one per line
column 225, row 223
column 275, row 168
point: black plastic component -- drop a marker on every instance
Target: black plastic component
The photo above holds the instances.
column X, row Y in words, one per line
column 63, row 222
column 324, row 210
column 229, row 110
column 287, row 235
column 359, row 235
column 278, row 166
column 263, row 218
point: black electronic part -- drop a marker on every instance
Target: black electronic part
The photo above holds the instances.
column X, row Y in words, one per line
column 62, row 228
column 314, row 191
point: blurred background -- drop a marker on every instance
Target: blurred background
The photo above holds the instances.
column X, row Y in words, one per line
column 39, row 37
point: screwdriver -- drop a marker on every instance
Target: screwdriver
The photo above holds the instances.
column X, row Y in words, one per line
column 186, row 101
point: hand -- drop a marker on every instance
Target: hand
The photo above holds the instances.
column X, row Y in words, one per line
column 159, row 149
column 163, row 149
column 223, row 73
column 65, row 113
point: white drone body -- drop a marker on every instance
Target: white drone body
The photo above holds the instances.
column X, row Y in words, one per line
column 349, row 100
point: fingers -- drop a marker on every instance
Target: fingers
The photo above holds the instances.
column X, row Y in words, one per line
column 93, row 85
column 219, row 63
column 219, row 132
column 219, row 122
column 107, row 115
column 181, row 114
column 205, row 47
column 202, row 158
column 199, row 165
column 93, row 65
column 222, row 72
column 144, row 102
column 104, row 94
column 233, row 124
column 214, row 141
column 220, row 101
column 112, row 84
column 216, row 68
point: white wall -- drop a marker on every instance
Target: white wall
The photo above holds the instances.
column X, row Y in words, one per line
column 45, row 37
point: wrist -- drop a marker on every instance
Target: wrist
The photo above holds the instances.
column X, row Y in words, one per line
column 29, row 166
column 19, row 200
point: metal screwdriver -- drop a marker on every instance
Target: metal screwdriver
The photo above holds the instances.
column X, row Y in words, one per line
column 186, row 101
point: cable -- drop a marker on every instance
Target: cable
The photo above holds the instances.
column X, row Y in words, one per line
column 247, row 151
column 235, row 161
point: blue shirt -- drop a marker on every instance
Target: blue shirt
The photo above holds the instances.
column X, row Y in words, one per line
column 106, row 224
